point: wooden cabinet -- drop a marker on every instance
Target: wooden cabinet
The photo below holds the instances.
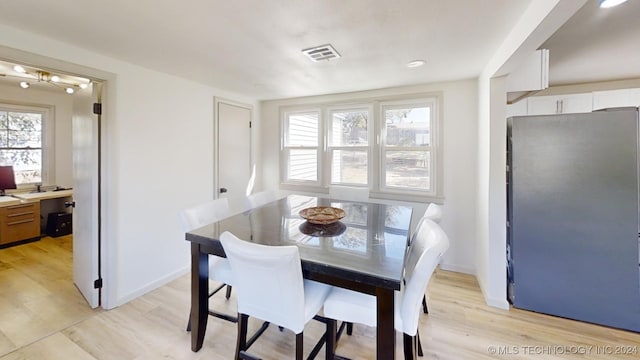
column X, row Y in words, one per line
column 560, row 104
column 19, row 222
column 616, row 98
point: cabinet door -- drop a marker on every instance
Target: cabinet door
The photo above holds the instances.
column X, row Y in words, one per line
column 543, row 105
column 616, row 98
column 560, row 104
column 576, row 103
column 517, row 109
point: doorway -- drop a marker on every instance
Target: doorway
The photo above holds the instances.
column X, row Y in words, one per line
column 86, row 152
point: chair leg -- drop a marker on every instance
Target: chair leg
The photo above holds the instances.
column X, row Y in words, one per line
column 189, row 322
column 424, row 304
column 349, row 328
column 420, row 353
column 410, row 344
column 228, row 294
column 299, row 345
column 241, row 342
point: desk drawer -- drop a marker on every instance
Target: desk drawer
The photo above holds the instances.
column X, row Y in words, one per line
column 19, row 222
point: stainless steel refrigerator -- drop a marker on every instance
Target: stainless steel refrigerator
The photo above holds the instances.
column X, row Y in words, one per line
column 573, row 216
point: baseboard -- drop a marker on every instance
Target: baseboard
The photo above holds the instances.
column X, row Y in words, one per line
column 458, row 268
column 152, row 286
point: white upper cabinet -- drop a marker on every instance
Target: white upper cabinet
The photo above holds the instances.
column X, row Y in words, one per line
column 560, row 104
column 616, row 98
column 517, row 109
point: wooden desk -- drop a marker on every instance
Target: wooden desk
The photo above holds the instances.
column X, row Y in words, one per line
column 21, row 219
column 366, row 255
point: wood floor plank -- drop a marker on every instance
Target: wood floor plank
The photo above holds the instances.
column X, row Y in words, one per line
column 459, row 326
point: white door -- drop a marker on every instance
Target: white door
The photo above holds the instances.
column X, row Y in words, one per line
column 233, row 124
column 85, row 127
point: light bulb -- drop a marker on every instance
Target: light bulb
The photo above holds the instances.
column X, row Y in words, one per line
column 24, row 84
column 19, row 69
column 610, row 3
column 415, row 63
column 55, row 78
column 69, row 90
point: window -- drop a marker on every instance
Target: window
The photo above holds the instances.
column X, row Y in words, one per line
column 301, row 146
column 393, row 151
column 349, row 146
column 21, row 142
column 407, row 146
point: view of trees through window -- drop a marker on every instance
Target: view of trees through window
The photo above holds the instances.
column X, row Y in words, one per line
column 21, row 144
column 349, row 144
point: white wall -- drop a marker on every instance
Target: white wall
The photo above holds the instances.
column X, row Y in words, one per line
column 459, row 118
column 62, row 104
column 157, row 160
column 541, row 19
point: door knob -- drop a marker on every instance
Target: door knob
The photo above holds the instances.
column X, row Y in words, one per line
column 223, row 190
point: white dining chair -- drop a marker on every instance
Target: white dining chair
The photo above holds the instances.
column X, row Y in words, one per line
column 260, row 198
column 270, row 287
column 425, row 251
column 219, row 268
column 351, row 193
column 434, row 213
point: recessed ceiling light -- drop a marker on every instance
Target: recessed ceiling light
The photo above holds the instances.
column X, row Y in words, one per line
column 24, row 84
column 610, row 3
column 69, row 90
column 83, row 86
column 19, row 69
column 55, row 78
column 415, row 63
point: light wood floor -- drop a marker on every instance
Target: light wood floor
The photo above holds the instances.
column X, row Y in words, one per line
column 42, row 316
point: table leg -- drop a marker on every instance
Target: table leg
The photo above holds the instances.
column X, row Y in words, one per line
column 386, row 334
column 199, row 295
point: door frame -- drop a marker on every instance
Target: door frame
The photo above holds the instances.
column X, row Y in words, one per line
column 216, row 133
column 107, row 255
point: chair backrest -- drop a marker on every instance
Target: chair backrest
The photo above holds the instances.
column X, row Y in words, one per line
column 425, row 251
column 260, row 198
column 433, row 213
column 268, row 280
column 353, row 193
column 203, row 214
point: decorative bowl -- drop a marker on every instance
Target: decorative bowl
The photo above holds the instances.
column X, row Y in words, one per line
column 322, row 215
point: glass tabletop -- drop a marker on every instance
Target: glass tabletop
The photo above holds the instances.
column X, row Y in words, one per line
column 368, row 244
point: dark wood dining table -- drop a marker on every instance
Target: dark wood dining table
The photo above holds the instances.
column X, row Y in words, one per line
column 365, row 252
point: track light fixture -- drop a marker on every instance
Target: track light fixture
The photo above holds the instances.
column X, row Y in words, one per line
column 29, row 76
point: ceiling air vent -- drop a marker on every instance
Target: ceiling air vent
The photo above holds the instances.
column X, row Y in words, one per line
column 322, row 52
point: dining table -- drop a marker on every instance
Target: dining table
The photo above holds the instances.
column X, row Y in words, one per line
column 364, row 251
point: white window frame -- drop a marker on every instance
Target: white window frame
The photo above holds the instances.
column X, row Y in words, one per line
column 285, row 150
column 47, row 137
column 375, row 130
column 328, row 153
column 432, row 148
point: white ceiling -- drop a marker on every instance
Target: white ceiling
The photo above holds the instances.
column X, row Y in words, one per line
column 596, row 45
column 253, row 47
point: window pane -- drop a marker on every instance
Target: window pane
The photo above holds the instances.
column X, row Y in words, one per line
column 302, row 165
column 408, row 126
column 27, row 164
column 25, row 121
column 349, row 128
column 302, row 130
column 349, row 166
column 408, row 169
